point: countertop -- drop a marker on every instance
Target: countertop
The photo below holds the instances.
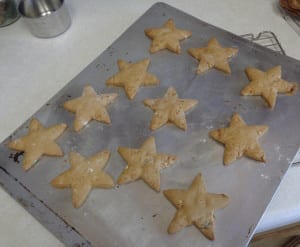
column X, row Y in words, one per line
column 32, row 70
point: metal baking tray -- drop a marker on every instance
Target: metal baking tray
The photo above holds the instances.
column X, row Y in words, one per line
column 133, row 214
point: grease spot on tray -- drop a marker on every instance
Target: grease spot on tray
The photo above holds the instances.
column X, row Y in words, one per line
column 16, row 156
column 154, row 215
column 264, row 176
column 280, row 156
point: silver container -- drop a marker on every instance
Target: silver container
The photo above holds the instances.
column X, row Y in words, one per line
column 45, row 18
column 8, row 12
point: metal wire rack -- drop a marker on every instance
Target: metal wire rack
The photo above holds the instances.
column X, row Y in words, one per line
column 267, row 39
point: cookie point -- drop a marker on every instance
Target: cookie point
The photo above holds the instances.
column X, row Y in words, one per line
column 173, row 228
column 214, row 133
column 294, row 88
column 122, row 180
column 76, row 204
column 26, row 167
column 77, row 128
column 156, row 188
column 226, row 162
column 199, row 175
column 152, row 127
column 184, row 127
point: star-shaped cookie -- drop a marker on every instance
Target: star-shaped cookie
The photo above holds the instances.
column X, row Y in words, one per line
column 213, row 56
column 166, row 37
column 131, row 76
column 90, row 106
column 195, row 206
column 240, row 139
column 37, row 142
column 170, row 108
column 144, row 163
column 267, row 84
column 84, row 174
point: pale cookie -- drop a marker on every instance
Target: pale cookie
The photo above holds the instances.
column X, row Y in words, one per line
column 131, row 76
column 166, row 37
column 240, row 139
column 267, row 84
column 38, row 141
column 84, row 174
column 144, row 163
column 170, row 108
column 90, row 106
column 213, row 56
column 195, row 206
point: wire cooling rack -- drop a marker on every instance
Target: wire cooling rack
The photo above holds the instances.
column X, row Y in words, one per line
column 267, row 39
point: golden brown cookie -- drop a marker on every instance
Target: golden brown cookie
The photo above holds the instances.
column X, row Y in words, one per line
column 38, row 141
column 144, row 163
column 131, row 76
column 84, row 174
column 166, row 37
column 294, row 4
column 90, row 106
column 213, row 56
column 267, row 84
column 240, row 139
column 195, row 206
column 169, row 109
column 287, row 5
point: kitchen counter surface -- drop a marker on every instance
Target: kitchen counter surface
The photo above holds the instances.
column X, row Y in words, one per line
column 32, row 70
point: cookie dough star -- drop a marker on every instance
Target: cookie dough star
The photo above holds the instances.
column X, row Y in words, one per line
column 213, row 56
column 166, row 37
column 240, row 139
column 38, row 141
column 267, row 84
column 84, row 174
column 131, row 76
column 195, row 206
column 90, row 106
column 169, row 109
column 144, row 163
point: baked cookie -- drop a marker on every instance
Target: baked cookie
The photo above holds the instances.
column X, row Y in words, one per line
column 295, row 4
column 131, row 76
column 38, row 141
column 213, row 56
column 84, row 174
column 240, row 139
column 144, row 163
column 170, row 108
column 166, row 37
column 267, row 84
column 195, row 206
column 291, row 6
column 90, row 106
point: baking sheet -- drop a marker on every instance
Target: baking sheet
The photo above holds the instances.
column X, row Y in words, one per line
column 134, row 214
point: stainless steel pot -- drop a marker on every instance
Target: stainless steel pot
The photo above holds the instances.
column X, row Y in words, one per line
column 45, row 18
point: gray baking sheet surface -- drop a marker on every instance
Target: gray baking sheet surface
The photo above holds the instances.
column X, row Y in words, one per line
column 133, row 214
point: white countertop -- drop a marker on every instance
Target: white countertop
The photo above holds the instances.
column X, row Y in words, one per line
column 32, row 70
